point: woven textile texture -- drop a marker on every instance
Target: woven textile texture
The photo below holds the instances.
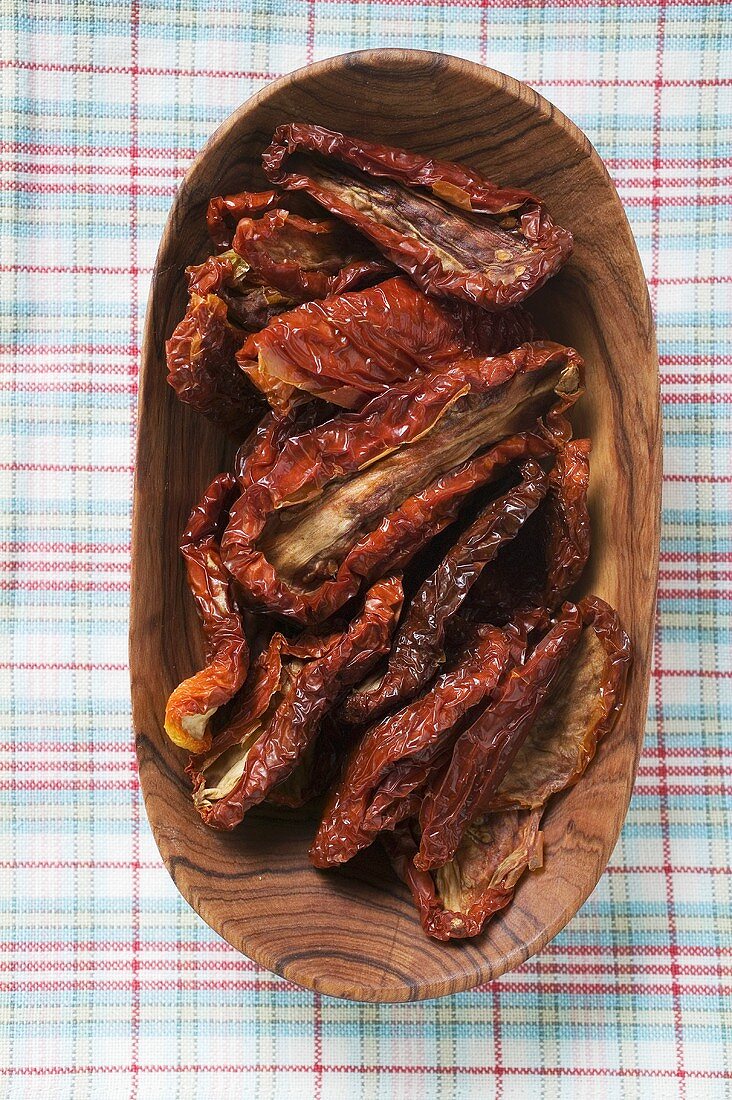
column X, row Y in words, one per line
column 111, row 986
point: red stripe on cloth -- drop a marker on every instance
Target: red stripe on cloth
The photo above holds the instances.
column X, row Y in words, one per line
column 225, row 966
column 75, row 666
column 63, row 586
column 91, row 387
column 22, row 767
column 74, row 864
column 26, row 65
column 51, row 149
column 36, row 187
column 70, row 785
column 695, row 594
column 682, row 789
column 280, row 1068
column 693, row 280
column 70, row 269
column 681, row 752
column 657, row 654
column 678, row 771
column 69, row 349
column 696, row 398
column 78, row 746
column 72, row 566
column 675, row 200
column 134, row 69
column 689, row 360
column 666, row 846
column 628, row 82
column 48, row 149
column 88, row 367
column 106, row 964
column 173, row 173
column 235, row 984
column 78, row 187
column 25, row 181
column 317, row 1046
column 702, row 479
column 89, row 965
column 696, row 555
column 67, row 468
column 217, row 946
column 15, row 547
column 134, row 309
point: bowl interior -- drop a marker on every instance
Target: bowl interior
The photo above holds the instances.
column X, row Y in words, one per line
column 354, row 933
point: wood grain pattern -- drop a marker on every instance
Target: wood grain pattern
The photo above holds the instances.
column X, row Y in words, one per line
column 355, row 933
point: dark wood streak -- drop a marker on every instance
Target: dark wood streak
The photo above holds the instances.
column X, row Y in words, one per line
column 354, row 933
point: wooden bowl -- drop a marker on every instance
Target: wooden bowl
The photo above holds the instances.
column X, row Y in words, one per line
column 354, row 933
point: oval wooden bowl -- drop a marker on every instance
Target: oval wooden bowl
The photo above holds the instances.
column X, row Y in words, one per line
column 355, row 933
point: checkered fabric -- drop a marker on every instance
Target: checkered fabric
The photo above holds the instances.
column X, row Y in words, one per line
column 112, row 987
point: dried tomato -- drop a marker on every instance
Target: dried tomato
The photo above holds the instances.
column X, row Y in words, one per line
column 583, row 705
column 217, row 274
column 250, row 301
column 548, row 555
column 350, row 347
column 391, row 764
column 504, row 840
column 224, row 212
column 418, row 648
column 291, row 688
column 361, row 493
column 194, row 702
column 202, row 367
column 457, row 236
column 567, row 521
column 485, row 751
column 317, row 768
column 456, row 901
column 306, row 259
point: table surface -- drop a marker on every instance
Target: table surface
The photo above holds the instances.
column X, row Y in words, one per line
column 111, row 986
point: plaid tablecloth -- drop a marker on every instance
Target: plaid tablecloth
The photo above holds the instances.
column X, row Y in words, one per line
column 112, row 987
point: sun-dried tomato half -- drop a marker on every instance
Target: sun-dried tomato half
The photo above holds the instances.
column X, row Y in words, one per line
column 457, row 900
column 250, row 301
column 418, row 647
column 454, row 233
column 292, row 686
column 306, row 259
column 225, row 211
column 583, row 705
column 545, row 560
column 352, row 346
column 202, row 367
column 485, row 751
column 389, row 767
column 196, row 700
column 361, row 493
